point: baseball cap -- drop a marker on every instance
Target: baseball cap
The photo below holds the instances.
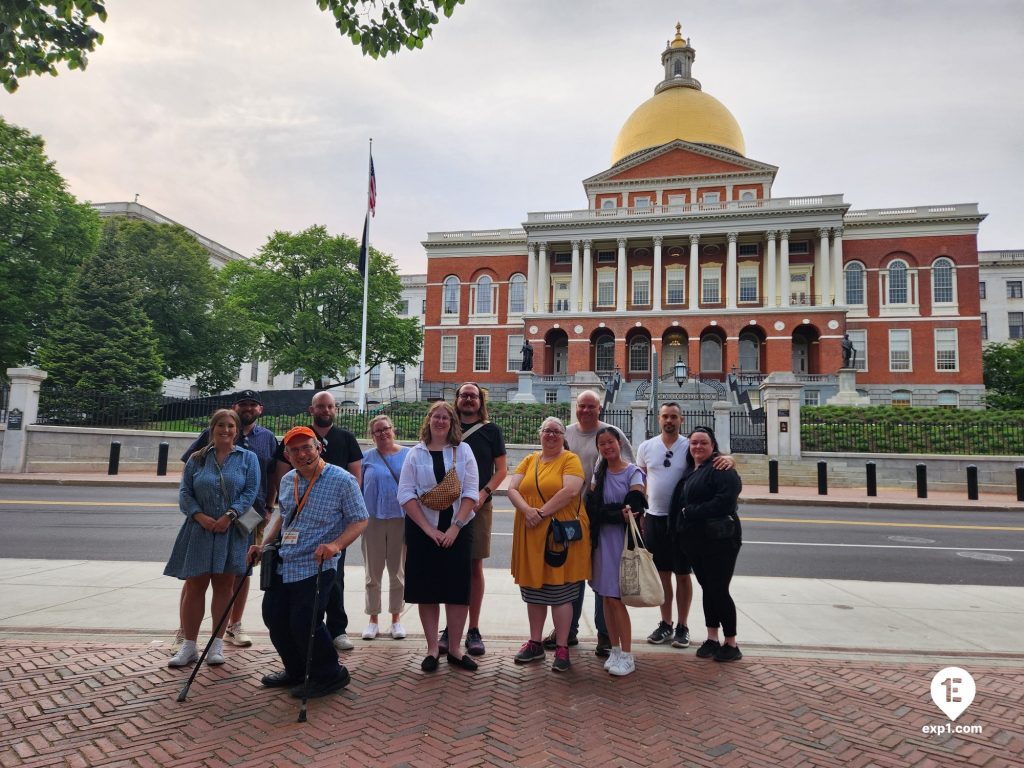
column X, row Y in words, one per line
column 247, row 394
column 297, row 432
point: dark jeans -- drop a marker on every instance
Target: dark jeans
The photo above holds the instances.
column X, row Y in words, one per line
column 287, row 612
column 577, row 611
column 337, row 619
column 713, row 564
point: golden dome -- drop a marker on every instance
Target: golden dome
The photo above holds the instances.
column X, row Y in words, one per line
column 679, row 113
column 678, row 41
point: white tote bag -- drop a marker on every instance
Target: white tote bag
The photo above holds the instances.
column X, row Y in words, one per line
column 639, row 583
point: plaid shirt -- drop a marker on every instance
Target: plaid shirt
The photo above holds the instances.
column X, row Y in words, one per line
column 334, row 503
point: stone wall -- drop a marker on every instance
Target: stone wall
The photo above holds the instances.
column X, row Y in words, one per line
column 87, row 449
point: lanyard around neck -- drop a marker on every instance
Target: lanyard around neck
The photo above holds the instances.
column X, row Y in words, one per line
column 300, row 503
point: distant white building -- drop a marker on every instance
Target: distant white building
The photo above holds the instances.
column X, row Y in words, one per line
column 1001, row 283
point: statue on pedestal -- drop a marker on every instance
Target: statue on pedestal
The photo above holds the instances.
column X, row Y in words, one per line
column 849, row 353
column 527, row 363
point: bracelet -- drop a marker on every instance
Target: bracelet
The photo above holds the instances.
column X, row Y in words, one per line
column 489, row 491
column 460, row 524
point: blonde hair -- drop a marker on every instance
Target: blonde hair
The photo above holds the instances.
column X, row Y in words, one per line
column 376, row 420
column 215, row 419
column 454, row 428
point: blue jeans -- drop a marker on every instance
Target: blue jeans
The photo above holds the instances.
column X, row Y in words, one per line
column 577, row 611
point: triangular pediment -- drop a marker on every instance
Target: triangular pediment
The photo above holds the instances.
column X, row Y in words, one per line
column 680, row 159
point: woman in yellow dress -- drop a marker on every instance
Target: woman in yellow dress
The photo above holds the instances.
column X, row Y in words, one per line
column 547, row 484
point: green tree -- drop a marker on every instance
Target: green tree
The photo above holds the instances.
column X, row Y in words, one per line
column 44, row 235
column 36, row 36
column 407, row 23
column 1003, row 367
column 183, row 299
column 103, row 341
column 304, row 294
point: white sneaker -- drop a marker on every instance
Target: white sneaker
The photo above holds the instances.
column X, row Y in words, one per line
column 613, row 657
column 186, row 655
column 624, row 665
column 179, row 638
column 216, row 655
column 370, row 632
column 342, row 643
column 397, row 631
column 235, row 635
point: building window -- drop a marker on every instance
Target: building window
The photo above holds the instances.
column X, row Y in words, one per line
column 606, row 288
column 748, row 249
column 750, row 353
column 551, row 396
column 514, row 354
column 799, row 248
column 812, row 397
column 642, row 202
column 563, row 258
column 606, row 257
column 400, row 376
column 676, row 201
column 375, row 376
column 641, row 287
column 946, row 350
column 254, row 371
column 798, row 295
column 423, row 307
column 451, row 296
column 449, row 354
column 297, row 378
column 860, row 347
column 639, row 355
column 942, row 281
column 748, row 283
column 984, row 326
column 1014, row 289
column 710, row 198
column 710, row 354
column 561, row 290
column 854, row 275
column 516, row 294
column 897, row 283
column 948, row 398
column 981, row 290
column 902, row 398
column 604, row 354
column 711, row 285
column 484, row 304
column 481, row 354
column 899, row 350
column 675, row 286
column 1015, row 321
column 608, row 203
column 403, row 307
column 748, row 194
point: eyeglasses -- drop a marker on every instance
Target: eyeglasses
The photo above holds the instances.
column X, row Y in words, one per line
column 382, row 431
column 668, row 457
column 468, row 396
column 552, row 432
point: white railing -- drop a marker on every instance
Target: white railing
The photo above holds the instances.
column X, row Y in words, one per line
column 920, row 211
column 690, row 209
column 471, row 235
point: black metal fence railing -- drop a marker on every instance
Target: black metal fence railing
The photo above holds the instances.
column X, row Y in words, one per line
column 5, row 397
column 995, row 438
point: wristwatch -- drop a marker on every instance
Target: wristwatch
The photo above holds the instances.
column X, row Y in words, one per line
column 487, row 488
column 460, row 524
column 232, row 515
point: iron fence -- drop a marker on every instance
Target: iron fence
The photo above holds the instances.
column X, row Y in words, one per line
column 5, row 398
column 959, row 439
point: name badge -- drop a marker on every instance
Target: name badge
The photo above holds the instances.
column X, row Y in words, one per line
column 290, row 537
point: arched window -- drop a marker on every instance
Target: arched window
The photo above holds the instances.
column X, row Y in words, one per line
column 710, row 354
column 516, row 294
column 750, row 353
column 854, row 274
column 484, row 303
column 897, row 283
column 948, row 398
column 902, row 398
column 677, row 68
column 450, row 305
column 604, row 354
column 942, row 281
column 639, row 355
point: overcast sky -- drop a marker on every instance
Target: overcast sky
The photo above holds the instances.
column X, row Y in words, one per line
column 240, row 118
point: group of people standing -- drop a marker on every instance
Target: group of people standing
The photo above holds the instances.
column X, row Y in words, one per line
column 424, row 515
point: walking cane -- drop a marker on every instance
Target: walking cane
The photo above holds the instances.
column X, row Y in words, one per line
column 216, row 630
column 309, row 649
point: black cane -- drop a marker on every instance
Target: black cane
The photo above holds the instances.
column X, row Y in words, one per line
column 309, row 649
column 216, row 630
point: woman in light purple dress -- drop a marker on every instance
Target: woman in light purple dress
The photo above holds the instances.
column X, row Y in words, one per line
column 617, row 491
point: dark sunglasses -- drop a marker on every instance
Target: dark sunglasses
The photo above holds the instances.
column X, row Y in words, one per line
column 668, row 457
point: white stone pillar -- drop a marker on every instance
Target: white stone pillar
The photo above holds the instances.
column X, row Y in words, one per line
column 781, row 395
column 656, row 299
column 574, row 286
column 543, row 279
column 622, row 278
column 22, row 409
column 837, row 265
column 588, row 277
column 723, row 425
column 694, row 271
column 784, row 279
column 771, row 294
column 730, row 272
column 531, row 277
column 823, row 283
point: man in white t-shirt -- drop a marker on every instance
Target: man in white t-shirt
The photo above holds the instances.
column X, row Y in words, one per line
column 663, row 458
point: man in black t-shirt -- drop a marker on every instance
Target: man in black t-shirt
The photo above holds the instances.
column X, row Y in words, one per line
column 342, row 450
column 488, row 446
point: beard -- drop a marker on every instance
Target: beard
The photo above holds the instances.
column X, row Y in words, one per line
column 323, row 421
column 247, row 419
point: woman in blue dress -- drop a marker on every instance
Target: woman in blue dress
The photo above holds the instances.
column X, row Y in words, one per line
column 618, row 491
column 218, row 484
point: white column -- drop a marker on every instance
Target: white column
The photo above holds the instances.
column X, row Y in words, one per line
column 23, row 408
column 531, row 277
column 771, row 295
column 574, row 286
column 588, row 277
column 837, row 265
column 824, row 284
column 656, row 303
column 543, row 280
column 730, row 272
column 694, row 271
column 784, row 266
column 622, row 278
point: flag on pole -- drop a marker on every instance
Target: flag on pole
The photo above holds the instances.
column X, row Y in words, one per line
column 364, row 249
column 372, row 200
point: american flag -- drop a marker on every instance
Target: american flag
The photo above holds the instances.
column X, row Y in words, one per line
column 372, row 203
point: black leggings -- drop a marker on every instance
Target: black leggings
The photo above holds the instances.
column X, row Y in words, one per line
column 713, row 564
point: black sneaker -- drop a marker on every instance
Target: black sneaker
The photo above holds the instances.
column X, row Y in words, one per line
column 728, row 653
column 708, row 649
column 661, row 635
column 319, row 688
column 549, row 642
column 681, row 639
column 562, row 663
column 279, row 680
column 531, row 651
column 604, row 646
column 474, row 642
column 442, row 642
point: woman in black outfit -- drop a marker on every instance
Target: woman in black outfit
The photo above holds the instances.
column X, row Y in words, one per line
column 707, row 527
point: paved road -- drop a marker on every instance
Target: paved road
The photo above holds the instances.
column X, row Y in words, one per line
column 917, row 546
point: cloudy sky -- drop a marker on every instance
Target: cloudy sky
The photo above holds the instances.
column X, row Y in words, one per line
column 238, row 118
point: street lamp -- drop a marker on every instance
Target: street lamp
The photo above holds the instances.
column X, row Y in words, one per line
column 680, row 372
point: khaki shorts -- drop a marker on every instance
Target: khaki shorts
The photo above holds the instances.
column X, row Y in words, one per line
column 482, row 532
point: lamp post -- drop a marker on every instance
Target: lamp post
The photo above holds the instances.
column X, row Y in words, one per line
column 680, row 372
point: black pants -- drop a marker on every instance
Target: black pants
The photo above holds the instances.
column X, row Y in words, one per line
column 287, row 612
column 713, row 564
column 337, row 619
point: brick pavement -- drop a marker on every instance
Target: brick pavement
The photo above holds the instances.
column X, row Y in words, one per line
column 113, row 703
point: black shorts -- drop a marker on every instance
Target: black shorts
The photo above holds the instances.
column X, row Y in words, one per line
column 667, row 556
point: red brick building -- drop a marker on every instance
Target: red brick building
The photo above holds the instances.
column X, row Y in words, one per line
column 682, row 250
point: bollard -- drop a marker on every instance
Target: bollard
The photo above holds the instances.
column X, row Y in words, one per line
column 922, row 481
column 161, row 459
column 972, row 482
column 1020, row 483
column 115, row 457
column 773, row 476
column 872, row 479
column 822, row 478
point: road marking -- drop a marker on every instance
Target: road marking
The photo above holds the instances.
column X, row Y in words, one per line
column 881, row 524
column 878, row 546
column 89, row 503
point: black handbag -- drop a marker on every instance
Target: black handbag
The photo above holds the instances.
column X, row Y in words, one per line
column 268, row 566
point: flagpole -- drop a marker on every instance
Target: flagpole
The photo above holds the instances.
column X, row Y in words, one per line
column 366, row 290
